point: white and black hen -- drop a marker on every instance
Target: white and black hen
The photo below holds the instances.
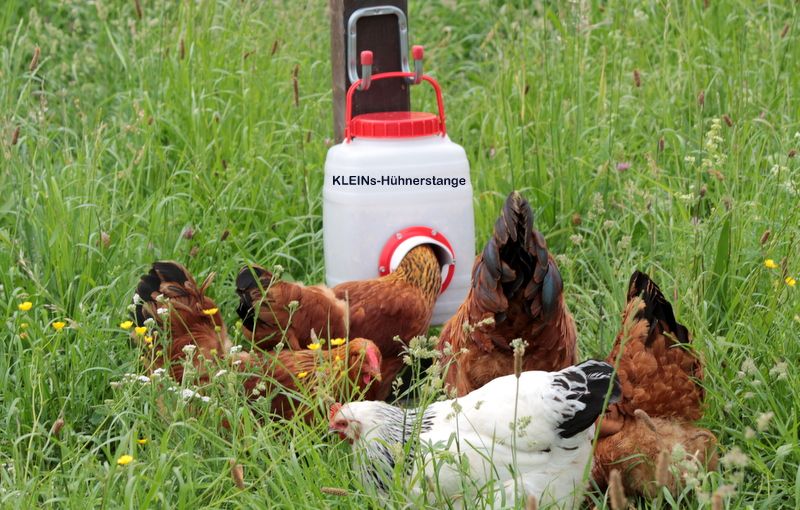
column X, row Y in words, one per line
column 501, row 441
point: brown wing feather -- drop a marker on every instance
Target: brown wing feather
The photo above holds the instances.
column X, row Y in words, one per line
column 288, row 378
column 386, row 309
column 267, row 319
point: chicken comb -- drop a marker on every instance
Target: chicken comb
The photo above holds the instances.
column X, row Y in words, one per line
column 335, row 407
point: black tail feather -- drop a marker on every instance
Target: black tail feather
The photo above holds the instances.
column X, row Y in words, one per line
column 657, row 310
column 517, row 259
column 250, row 277
column 164, row 276
column 591, row 380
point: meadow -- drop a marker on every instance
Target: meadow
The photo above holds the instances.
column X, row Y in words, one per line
column 659, row 135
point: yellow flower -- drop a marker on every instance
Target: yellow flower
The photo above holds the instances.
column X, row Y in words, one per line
column 125, row 460
column 301, row 375
column 148, row 339
column 140, row 330
column 791, row 282
column 337, row 341
column 58, row 326
column 24, row 307
column 210, row 311
column 126, row 324
column 770, row 264
column 142, row 441
column 337, row 358
column 314, row 346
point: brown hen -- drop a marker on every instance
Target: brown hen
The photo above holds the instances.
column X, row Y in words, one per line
column 169, row 295
column 515, row 293
column 342, row 372
column 269, row 318
column 397, row 305
column 186, row 312
column 661, row 395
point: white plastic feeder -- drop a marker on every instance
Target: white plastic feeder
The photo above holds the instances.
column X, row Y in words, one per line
column 396, row 182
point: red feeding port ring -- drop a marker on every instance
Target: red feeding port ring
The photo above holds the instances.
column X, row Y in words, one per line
column 409, row 238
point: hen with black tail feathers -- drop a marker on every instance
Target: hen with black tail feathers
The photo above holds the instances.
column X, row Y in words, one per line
column 516, row 293
column 169, row 295
column 662, row 397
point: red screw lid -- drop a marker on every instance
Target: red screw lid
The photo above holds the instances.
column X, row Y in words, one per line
column 395, row 125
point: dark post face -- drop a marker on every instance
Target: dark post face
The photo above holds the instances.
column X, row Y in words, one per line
column 379, row 34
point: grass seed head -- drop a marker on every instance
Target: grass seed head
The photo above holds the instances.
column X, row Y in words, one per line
column 662, row 469
column 237, row 473
column 55, row 430
column 717, row 503
column 333, row 491
column 35, row 59
column 616, row 492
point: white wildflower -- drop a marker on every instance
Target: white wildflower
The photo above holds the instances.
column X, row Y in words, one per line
column 749, row 366
column 149, row 323
column 236, row 349
column 220, row 373
column 779, row 371
column 735, row 458
column 137, row 299
column 762, row 423
column 188, row 394
column 189, row 349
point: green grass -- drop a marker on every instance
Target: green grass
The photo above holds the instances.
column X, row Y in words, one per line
column 137, row 129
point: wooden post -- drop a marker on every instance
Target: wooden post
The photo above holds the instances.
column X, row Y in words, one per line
column 379, row 34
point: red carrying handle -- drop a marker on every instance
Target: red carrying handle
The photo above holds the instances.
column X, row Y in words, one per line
column 393, row 74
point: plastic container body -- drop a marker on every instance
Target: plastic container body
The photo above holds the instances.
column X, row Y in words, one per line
column 375, row 188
